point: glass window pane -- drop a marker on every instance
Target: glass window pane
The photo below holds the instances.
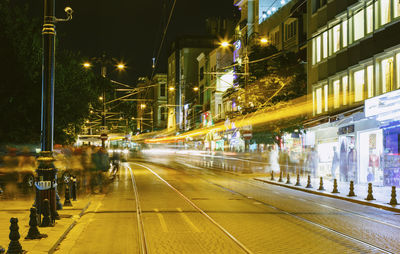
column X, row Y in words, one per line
column 336, row 38
column 344, row 29
column 345, row 89
column 336, row 93
column 326, row 99
column 387, row 74
column 314, row 102
column 319, row 100
column 385, row 11
column 358, row 22
column 318, row 48
column 396, row 8
column 314, row 51
column 370, row 22
column 370, row 80
column 398, row 69
column 325, row 45
column 358, row 85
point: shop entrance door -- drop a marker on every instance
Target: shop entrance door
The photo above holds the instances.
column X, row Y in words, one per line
column 371, row 150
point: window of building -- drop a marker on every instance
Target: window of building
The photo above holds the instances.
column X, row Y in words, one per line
column 162, row 114
column 336, row 93
column 318, row 95
column 398, row 69
column 358, row 25
column 336, row 38
column 326, row 98
column 318, row 48
column 325, row 44
column 201, row 73
column 387, row 74
column 219, row 109
column 370, row 81
column 358, row 82
column 344, row 33
column 396, row 8
column 290, row 30
column 162, row 90
column 370, row 19
column 385, row 11
column 345, row 89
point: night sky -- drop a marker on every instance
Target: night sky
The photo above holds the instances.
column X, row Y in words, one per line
column 131, row 29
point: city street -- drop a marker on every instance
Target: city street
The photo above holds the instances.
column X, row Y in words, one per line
column 169, row 205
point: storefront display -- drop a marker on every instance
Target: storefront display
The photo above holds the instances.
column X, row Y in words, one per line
column 371, row 150
column 391, row 160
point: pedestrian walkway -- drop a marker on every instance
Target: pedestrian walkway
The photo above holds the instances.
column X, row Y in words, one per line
column 20, row 209
column 381, row 194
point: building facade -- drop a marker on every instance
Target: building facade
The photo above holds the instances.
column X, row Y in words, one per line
column 353, row 72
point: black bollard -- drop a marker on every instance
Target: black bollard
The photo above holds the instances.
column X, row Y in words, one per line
column 272, row 176
column 321, row 184
column 46, row 221
column 280, row 177
column 298, row 180
column 14, row 247
column 309, row 182
column 73, row 191
column 335, row 189
column 351, row 191
column 33, row 229
column 393, row 200
column 370, row 196
column 288, row 179
column 67, row 201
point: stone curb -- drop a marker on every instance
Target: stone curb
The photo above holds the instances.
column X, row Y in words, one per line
column 59, row 240
column 358, row 201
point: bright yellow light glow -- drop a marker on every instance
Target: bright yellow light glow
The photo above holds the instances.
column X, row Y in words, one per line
column 121, row 66
column 142, row 106
column 225, row 44
column 264, row 40
column 101, row 98
column 171, row 88
column 87, row 121
column 87, row 65
column 91, row 111
column 195, row 88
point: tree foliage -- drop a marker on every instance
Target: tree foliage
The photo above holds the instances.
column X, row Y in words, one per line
column 20, row 81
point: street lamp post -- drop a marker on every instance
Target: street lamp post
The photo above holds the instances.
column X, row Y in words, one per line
column 46, row 181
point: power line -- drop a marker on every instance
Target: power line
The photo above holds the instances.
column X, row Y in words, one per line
column 163, row 38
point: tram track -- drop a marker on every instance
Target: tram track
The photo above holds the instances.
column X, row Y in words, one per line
column 308, row 221
column 142, row 237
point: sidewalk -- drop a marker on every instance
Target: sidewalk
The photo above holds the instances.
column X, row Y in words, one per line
column 382, row 194
column 20, row 210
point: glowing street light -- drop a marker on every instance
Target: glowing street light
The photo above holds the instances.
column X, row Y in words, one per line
column 142, row 106
column 86, row 65
column 195, row 89
column 101, row 98
column 121, row 66
column 225, row 44
column 264, row 40
column 171, row 88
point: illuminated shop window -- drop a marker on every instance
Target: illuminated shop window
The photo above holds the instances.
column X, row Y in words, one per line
column 318, row 95
column 385, row 11
column 336, row 93
column 358, row 25
column 345, row 89
column 325, row 44
column 326, row 101
column 387, row 74
column 359, row 82
column 370, row 81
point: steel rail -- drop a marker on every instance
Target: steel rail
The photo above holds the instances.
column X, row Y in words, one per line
column 301, row 218
column 241, row 245
column 142, row 235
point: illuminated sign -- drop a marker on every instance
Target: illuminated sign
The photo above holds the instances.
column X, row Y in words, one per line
column 383, row 104
column 238, row 46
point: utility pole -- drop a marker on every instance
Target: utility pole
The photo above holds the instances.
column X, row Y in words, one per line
column 46, row 181
column 103, row 135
